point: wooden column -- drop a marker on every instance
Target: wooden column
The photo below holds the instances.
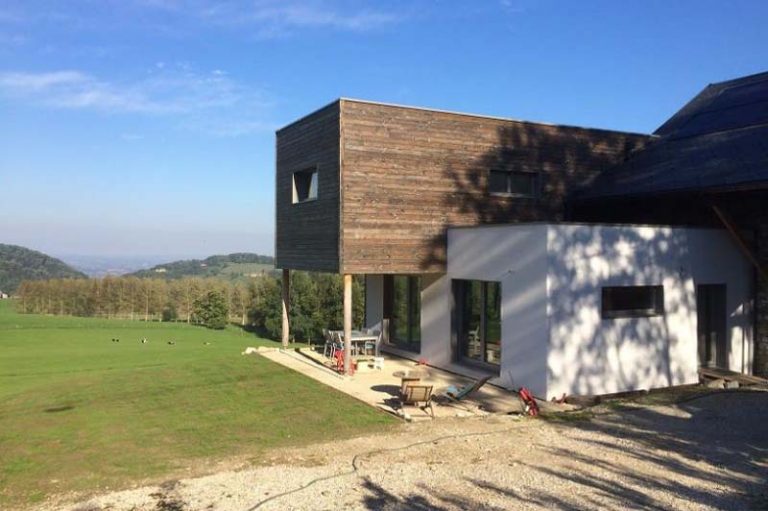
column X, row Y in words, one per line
column 286, row 305
column 347, row 323
column 739, row 240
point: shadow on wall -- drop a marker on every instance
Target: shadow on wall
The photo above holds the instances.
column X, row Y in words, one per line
column 595, row 355
column 564, row 158
column 592, row 354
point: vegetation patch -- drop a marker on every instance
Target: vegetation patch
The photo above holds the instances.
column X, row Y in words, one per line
column 79, row 412
column 18, row 264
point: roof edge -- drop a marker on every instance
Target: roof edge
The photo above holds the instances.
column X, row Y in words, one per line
column 310, row 114
column 464, row 114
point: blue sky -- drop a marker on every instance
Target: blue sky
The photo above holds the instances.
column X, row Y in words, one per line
column 147, row 126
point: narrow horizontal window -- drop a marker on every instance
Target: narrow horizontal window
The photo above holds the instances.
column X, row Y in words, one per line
column 632, row 301
column 304, row 185
column 515, row 183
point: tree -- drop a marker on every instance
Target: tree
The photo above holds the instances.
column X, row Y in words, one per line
column 241, row 302
column 211, row 311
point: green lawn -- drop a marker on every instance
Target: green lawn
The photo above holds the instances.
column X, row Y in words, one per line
column 79, row 412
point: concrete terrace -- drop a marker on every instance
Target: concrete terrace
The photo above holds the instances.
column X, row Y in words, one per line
column 379, row 388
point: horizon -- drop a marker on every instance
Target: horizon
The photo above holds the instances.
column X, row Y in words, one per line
column 144, row 128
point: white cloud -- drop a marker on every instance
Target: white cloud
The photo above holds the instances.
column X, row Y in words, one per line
column 195, row 99
column 307, row 15
column 35, row 82
column 273, row 16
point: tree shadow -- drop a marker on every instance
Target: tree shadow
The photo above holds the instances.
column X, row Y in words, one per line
column 628, row 353
column 564, row 159
column 379, row 499
column 712, row 455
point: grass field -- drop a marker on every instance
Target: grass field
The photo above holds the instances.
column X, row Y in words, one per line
column 81, row 413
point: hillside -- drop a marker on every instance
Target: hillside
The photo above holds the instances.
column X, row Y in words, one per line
column 240, row 266
column 19, row 263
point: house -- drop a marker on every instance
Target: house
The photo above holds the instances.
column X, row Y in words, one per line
column 498, row 246
column 706, row 166
column 3, row 295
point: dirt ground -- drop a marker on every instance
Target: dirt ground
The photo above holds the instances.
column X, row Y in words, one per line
column 710, row 452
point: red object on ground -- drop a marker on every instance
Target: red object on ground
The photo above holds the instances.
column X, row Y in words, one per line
column 339, row 359
column 531, row 407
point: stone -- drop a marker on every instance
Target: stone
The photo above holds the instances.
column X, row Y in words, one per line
column 716, row 384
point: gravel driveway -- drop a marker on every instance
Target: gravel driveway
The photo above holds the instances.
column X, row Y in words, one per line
column 708, row 453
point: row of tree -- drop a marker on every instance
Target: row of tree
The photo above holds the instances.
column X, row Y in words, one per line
column 316, row 301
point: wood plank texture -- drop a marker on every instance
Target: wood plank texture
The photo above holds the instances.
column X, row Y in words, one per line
column 307, row 234
column 408, row 174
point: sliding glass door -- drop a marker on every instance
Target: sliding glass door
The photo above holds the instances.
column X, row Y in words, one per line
column 478, row 321
column 402, row 304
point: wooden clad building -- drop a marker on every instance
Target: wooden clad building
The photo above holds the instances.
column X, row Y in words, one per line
column 389, row 180
column 406, row 197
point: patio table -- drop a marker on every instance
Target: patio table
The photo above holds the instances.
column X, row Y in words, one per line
column 359, row 338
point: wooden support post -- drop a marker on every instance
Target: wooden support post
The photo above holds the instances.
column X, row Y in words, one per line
column 286, row 305
column 347, row 324
column 737, row 238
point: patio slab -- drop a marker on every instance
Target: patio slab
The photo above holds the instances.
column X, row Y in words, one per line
column 380, row 388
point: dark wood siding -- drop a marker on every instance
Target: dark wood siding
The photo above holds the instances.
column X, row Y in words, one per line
column 408, row 174
column 307, row 234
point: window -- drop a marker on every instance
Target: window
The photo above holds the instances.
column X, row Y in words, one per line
column 304, row 185
column 514, row 183
column 632, row 301
column 478, row 320
column 403, row 308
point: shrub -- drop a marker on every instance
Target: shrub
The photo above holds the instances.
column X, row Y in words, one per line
column 211, row 310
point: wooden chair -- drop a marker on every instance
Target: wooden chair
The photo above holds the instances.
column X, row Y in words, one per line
column 413, row 395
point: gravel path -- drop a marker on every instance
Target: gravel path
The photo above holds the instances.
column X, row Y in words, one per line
column 708, row 453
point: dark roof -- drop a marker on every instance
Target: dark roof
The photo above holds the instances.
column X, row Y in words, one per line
column 718, row 140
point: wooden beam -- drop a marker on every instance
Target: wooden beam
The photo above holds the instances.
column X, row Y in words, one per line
column 740, row 242
column 347, row 323
column 286, row 305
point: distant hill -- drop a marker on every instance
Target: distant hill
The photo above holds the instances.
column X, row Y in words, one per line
column 19, row 263
column 110, row 264
column 240, row 266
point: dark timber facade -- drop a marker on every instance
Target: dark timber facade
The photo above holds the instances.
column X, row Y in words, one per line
column 391, row 179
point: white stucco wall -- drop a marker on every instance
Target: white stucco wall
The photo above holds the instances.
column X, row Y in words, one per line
column 515, row 257
column 554, row 339
column 591, row 355
column 436, row 303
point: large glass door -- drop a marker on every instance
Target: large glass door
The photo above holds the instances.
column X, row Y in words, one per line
column 402, row 306
column 478, row 321
column 711, row 312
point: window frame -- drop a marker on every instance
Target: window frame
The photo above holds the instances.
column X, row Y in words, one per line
column 412, row 319
column 460, row 290
column 314, row 174
column 657, row 299
column 536, row 183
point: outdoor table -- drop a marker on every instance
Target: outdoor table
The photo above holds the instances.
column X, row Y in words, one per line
column 359, row 337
